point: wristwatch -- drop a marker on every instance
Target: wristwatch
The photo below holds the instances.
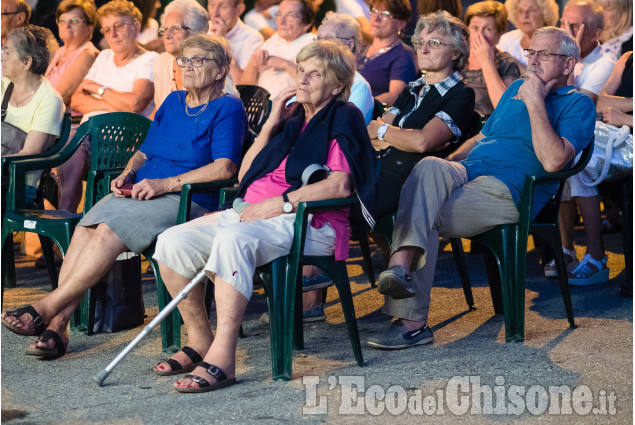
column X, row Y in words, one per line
column 381, row 131
column 287, row 207
column 101, row 91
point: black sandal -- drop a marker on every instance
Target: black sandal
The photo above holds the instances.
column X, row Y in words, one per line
column 38, row 322
column 48, row 353
column 176, row 368
column 204, row 386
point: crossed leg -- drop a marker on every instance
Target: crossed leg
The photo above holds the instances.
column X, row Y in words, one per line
column 92, row 252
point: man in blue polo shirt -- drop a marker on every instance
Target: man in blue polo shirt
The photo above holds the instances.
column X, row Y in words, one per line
column 538, row 127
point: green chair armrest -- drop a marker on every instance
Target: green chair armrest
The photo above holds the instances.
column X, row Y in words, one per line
column 189, row 189
column 226, row 194
column 302, row 215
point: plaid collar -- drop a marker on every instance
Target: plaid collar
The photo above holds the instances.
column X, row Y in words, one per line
column 442, row 87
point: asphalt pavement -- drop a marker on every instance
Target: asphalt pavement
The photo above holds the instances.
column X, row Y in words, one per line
column 468, row 375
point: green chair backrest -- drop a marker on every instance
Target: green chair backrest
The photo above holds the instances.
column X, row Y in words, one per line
column 114, row 138
column 257, row 103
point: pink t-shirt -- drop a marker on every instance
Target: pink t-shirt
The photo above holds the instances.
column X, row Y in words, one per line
column 274, row 184
column 55, row 72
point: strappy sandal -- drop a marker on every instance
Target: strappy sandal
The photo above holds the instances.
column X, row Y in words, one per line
column 176, row 368
column 589, row 272
column 570, row 259
column 204, row 386
column 38, row 322
column 48, row 353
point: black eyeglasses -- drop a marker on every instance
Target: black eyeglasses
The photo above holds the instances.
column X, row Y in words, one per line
column 173, row 28
column 543, row 55
column 196, row 61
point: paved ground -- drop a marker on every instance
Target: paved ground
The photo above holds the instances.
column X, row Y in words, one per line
column 593, row 362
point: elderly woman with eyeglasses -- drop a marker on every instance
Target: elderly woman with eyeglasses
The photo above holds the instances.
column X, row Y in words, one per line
column 71, row 62
column 322, row 128
column 433, row 115
column 388, row 64
column 196, row 136
column 180, row 19
column 273, row 66
column 120, row 80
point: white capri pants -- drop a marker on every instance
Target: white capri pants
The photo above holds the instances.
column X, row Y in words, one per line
column 223, row 245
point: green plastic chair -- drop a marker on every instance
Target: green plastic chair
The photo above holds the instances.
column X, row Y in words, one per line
column 114, row 137
column 282, row 281
column 508, row 245
column 8, row 260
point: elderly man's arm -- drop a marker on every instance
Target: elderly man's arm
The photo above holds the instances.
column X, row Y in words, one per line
column 553, row 152
column 338, row 185
column 464, row 150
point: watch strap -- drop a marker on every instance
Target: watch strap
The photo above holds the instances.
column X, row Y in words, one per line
column 285, row 198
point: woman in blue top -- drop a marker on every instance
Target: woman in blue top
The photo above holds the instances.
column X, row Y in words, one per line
column 197, row 136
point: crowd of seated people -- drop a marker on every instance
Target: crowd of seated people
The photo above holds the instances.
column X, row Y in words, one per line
column 439, row 175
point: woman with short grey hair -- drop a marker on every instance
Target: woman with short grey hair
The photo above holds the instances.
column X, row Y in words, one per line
column 34, row 107
column 194, row 15
column 347, row 28
column 433, row 115
column 180, row 19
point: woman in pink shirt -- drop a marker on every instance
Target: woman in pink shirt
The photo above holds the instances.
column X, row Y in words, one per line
column 323, row 129
column 69, row 66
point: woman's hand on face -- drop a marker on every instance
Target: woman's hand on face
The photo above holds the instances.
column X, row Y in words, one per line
column 279, row 109
column 279, row 64
column 150, row 188
column 268, row 208
column 484, row 51
column 122, row 179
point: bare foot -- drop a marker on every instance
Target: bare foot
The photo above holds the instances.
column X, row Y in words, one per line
column 183, row 359
column 200, row 372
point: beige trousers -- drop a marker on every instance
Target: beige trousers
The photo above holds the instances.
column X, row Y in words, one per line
column 438, row 200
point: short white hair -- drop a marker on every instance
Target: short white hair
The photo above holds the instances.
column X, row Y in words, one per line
column 195, row 17
column 568, row 45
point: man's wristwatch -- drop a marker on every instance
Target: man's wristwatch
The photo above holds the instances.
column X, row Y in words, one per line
column 381, row 131
column 287, row 206
column 101, row 91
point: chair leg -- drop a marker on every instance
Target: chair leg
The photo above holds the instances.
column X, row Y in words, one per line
column 551, row 241
column 49, row 257
column 171, row 325
column 360, row 233
column 459, row 258
column 340, row 278
column 281, row 300
column 494, row 278
column 8, row 262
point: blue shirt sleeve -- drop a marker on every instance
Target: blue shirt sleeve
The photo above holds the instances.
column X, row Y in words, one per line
column 403, row 68
column 227, row 130
column 578, row 122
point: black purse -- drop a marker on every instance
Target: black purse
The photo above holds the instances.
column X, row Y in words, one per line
column 12, row 137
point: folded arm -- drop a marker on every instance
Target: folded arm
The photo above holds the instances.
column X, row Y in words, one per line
column 36, row 142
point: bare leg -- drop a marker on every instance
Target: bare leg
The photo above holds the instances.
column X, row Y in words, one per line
column 566, row 220
column 194, row 316
column 87, row 266
column 230, row 310
column 70, row 176
column 81, row 238
column 590, row 210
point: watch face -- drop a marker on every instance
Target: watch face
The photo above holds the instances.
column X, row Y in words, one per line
column 287, row 207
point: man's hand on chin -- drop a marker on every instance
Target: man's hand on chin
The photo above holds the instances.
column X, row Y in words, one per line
column 534, row 89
